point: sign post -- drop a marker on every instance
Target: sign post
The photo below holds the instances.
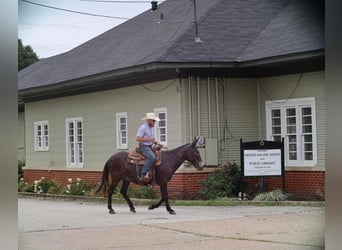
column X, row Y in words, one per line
column 262, row 159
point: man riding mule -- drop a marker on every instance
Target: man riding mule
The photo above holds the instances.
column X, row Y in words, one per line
column 146, row 139
column 119, row 168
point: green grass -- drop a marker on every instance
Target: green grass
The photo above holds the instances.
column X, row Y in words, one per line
column 147, row 202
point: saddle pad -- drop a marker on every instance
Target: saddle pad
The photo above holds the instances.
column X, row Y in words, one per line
column 135, row 156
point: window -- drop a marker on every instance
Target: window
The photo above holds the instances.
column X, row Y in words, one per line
column 41, row 136
column 161, row 126
column 74, row 139
column 295, row 120
column 121, row 131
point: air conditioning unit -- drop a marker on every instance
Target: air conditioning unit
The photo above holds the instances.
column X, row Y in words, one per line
column 208, row 151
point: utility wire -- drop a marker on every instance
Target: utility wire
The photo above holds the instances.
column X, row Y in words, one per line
column 162, row 89
column 74, row 11
column 103, row 1
column 291, row 94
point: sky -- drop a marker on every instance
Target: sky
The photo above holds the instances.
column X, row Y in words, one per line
column 50, row 32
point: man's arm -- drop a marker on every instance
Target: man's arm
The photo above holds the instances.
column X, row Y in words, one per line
column 145, row 139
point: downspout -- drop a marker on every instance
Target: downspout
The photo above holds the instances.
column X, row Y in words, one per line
column 259, row 110
column 198, row 109
column 209, row 109
column 190, row 108
column 217, row 113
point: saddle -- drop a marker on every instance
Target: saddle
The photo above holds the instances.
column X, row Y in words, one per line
column 135, row 157
column 138, row 159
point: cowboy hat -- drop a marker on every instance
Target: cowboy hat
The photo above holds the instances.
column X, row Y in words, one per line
column 151, row 116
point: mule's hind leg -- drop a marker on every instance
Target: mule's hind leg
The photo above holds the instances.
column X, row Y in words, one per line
column 123, row 191
column 153, row 206
column 111, row 190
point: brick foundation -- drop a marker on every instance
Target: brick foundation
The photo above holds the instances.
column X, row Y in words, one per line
column 305, row 185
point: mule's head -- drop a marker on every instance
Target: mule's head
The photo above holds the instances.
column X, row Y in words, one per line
column 193, row 156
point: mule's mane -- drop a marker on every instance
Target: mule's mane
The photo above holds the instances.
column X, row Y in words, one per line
column 180, row 147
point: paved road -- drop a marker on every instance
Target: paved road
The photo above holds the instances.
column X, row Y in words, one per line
column 47, row 224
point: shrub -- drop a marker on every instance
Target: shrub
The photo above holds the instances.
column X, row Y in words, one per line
column 225, row 182
column 78, row 187
column 143, row 192
column 22, row 185
column 47, row 186
column 275, row 195
column 21, row 164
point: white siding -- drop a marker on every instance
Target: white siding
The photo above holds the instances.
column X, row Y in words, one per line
column 98, row 111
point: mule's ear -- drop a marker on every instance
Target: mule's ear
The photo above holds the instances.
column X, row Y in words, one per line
column 194, row 143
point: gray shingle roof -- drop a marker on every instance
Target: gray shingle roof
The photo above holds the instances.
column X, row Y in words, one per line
column 231, row 30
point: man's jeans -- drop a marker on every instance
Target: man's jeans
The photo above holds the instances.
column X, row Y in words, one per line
column 150, row 158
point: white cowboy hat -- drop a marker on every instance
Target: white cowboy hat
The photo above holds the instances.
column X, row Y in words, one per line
column 151, row 116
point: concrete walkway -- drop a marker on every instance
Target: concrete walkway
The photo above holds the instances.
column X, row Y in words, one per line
column 47, row 224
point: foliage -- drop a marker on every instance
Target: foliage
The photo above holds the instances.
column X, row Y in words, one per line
column 21, row 164
column 26, row 55
column 225, row 182
column 275, row 195
column 143, row 192
column 78, row 187
column 46, row 186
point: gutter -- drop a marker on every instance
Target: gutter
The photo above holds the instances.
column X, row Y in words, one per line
column 158, row 70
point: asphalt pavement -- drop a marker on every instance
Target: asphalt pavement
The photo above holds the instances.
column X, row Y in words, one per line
column 50, row 224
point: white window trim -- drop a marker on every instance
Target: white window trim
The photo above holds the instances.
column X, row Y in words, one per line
column 298, row 102
column 43, row 148
column 157, row 111
column 73, row 119
column 120, row 145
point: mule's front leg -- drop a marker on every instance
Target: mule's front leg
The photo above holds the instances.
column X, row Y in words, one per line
column 165, row 195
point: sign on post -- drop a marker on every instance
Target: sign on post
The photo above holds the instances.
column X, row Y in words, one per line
column 263, row 159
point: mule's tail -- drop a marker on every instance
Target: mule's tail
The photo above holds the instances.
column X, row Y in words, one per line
column 104, row 181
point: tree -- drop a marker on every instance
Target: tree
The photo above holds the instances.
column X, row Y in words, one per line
column 26, row 55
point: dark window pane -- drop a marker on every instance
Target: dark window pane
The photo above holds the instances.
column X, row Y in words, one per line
column 276, row 113
column 276, row 121
column 291, row 112
column 123, row 127
column 79, row 124
column 162, row 138
column 292, row 147
column 162, row 131
column 123, row 120
column 293, row 156
column 307, row 147
column 123, row 134
column 291, row 121
column 162, row 124
column 307, row 129
column 292, row 138
column 162, row 116
column 291, row 129
column 306, row 111
column 277, row 138
column 307, row 138
column 308, row 156
column 276, row 130
column 307, row 120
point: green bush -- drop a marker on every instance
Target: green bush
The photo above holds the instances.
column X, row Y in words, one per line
column 47, row 186
column 225, row 182
column 143, row 192
column 21, row 164
column 78, row 187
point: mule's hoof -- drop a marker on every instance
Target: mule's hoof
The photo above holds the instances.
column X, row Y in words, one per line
column 132, row 210
column 111, row 211
column 172, row 212
column 150, row 207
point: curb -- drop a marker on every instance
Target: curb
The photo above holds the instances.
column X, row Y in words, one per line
column 173, row 202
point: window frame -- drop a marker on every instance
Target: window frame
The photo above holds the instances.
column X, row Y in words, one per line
column 119, row 144
column 298, row 104
column 157, row 111
column 76, row 164
column 43, row 148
